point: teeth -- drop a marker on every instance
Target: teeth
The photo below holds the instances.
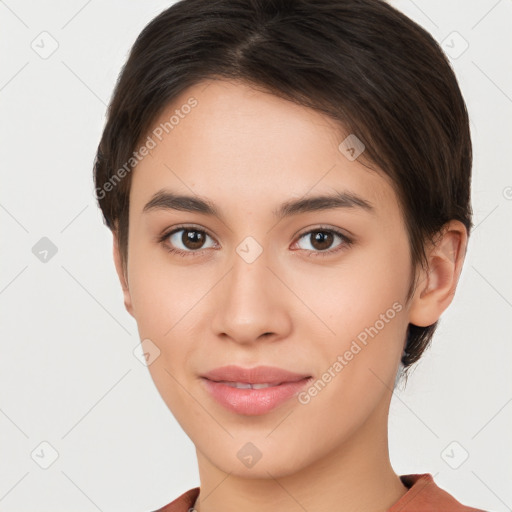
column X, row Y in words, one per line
column 246, row 385
column 261, row 386
column 239, row 385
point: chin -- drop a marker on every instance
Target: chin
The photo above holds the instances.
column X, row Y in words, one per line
column 257, row 458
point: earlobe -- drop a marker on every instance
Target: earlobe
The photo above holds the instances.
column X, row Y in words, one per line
column 436, row 286
column 121, row 273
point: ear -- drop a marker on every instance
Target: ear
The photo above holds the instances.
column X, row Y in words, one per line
column 122, row 274
column 436, row 285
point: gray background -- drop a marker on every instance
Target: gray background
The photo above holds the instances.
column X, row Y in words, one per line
column 69, row 377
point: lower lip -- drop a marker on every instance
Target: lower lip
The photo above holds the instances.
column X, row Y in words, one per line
column 253, row 401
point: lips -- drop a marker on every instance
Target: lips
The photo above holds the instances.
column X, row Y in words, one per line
column 258, row 375
column 253, row 391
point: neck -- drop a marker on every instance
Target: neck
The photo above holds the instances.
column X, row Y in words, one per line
column 356, row 476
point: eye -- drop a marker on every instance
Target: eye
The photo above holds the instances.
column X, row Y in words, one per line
column 320, row 241
column 185, row 240
column 190, row 241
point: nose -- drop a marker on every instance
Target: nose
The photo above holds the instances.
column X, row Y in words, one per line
column 251, row 303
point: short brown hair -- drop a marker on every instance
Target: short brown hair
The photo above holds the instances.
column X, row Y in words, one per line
column 361, row 62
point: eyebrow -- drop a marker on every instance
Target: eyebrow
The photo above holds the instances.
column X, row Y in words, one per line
column 166, row 200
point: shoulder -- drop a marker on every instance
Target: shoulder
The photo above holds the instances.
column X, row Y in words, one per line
column 424, row 495
column 183, row 503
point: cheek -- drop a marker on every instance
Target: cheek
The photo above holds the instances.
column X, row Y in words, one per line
column 164, row 300
column 352, row 296
column 361, row 316
column 161, row 293
column 169, row 303
column 356, row 366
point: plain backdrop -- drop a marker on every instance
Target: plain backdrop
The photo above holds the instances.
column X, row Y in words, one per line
column 74, row 396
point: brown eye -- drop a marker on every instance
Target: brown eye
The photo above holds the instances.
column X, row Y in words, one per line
column 322, row 240
column 188, row 239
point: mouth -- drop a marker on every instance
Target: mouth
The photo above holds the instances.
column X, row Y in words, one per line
column 247, row 385
column 253, row 391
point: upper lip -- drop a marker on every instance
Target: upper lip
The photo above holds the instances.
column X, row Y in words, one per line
column 256, row 375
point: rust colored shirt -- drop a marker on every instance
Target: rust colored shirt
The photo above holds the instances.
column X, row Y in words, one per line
column 423, row 496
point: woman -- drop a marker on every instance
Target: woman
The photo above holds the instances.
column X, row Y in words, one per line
column 288, row 186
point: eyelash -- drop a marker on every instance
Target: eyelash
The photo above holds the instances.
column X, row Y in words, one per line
column 346, row 241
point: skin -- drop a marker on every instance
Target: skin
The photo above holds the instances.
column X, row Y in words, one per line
column 247, row 152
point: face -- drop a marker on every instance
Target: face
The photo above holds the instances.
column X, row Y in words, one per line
column 266, row 276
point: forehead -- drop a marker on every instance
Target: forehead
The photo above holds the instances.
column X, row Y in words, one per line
column 227, row 139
